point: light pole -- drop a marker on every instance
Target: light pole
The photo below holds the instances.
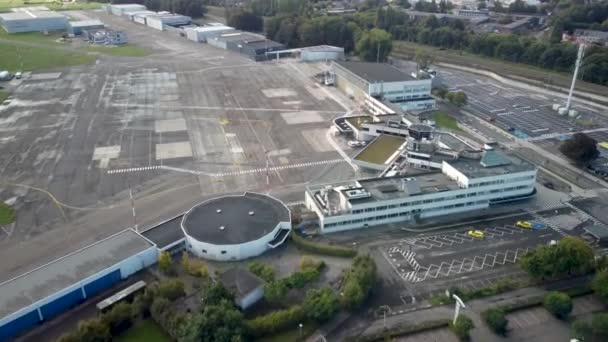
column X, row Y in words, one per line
column 459, row 304
column 300, row 326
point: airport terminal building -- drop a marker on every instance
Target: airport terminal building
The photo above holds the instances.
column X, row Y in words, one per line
column 236, row 227
column 465, row 184
column 385, row 82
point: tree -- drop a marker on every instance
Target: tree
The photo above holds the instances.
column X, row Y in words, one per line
column 458, row 98
column 596, row 331
column 352, row 295
column 600, row 285
column 571, row 256
column 423, row 59
column 246, row 21
column 406, row 4
column 496, row 319
column 119, row 318
column 374, row 45
column 320, row 304
column 580, row 148
column 558, row 303
column 482, row 5
column 165, row 264
column 194, row 267
column 262, row 270
column 219, row 322
column 214, row 293
column 276, row 291
column 171, row 289
column 93, row 330
column 462, row 327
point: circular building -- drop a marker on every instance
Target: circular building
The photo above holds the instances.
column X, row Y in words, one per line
column 236, row 227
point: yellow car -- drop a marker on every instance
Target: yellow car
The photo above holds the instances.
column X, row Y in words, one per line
column 478, row 234
column 524, row 224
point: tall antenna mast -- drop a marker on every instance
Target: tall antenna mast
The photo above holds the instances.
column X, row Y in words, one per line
column 579, row 59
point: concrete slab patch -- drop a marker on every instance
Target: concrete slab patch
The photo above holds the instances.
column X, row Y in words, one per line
column 317, row 93
column 45, row 76
column 301, row 117
column 173, row 150
column 233, row 143
column 104, row 154
column 282, row 152
column 283, row 160
column 279, row 92
column 170, row 125
column 292, row 103
column 317, row 140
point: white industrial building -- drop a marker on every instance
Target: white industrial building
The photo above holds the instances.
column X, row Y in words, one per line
column 468, row 183
column 159, row 20
column 139, row 16
column 78, row 27
column 204, row 33
column 121, row 9
column 33, row 21
column 49, row 290
column 385, row 82
column 321, row 53
column 236, row 227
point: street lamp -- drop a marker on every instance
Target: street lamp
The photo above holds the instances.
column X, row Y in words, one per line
column 300, row 325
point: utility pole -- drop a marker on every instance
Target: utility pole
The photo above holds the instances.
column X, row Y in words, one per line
column 133, row 208
column 579, row 59
column 459, row 304
column 378, row 53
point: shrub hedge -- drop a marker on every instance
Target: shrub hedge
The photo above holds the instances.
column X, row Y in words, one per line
column 401, row 330
column 321, row 248
column 276, row 321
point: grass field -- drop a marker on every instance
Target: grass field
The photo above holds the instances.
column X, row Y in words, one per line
column 544, row 77
column 34, row 58
column 6, row 5
column 444, row 120
column 33, row 37
column 122, row 50
column 7, row 214
column 147, row 331
column 3, row 96
column 292, row 335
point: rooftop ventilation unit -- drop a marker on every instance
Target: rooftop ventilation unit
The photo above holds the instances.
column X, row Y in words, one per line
column 222, row 227
column 218, row 211
column 251, row 213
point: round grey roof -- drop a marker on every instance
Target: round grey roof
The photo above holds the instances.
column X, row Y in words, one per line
column 232, row 220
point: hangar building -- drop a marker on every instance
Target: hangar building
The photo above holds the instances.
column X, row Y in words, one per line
column 78, row 27
column 202, row 34
column 383, row 81
column 121, row 9
column 159, row 20
column 33, row 21
column 51, row 289
column 236, row 227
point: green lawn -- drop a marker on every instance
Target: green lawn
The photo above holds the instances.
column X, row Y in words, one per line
column 3, row 96
column 7, row 214
column 33, row 37
column 122, row 50
column 147, row 331
column 292, row 335
column 444, row 120
column 35, row 58
column 379, row 150
column 6, row 5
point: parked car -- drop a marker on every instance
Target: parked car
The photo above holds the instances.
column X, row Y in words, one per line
column 353, row 143
column 537, row 226
column 478, row 234
column 18, row 75
column 524, row 224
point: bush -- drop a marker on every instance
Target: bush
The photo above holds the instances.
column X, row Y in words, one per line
column 320, row 248
column 558, row 303
column 276, row 291
column 594, row 331
column 600, row 285
column 462, row 327
column 263, row 271
column 401, row 330
column 165, row 263
column 119, row 319
column 171, row 289
column 361, row 274
column 320, row 305
column 496, row 319
column 89, row 330
column 164, row 314
column 194, row 267
column 276, row 321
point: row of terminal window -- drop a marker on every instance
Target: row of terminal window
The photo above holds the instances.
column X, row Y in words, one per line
column 502, row 181
column 205, row 251
column 403, row 213
column 439, row 199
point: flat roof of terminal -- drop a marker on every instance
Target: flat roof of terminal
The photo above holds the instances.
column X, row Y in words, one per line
column 376, row 72
column 380, row 149
column 203, row 222
column 502, row 164
column 46, row 280
column 386, row 188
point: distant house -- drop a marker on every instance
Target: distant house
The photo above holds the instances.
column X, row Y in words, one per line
column 591, row 36
column 248, row 289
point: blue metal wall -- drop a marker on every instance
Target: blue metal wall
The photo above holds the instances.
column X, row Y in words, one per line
column 61, row 304
column 102, row 283
column 20, row 324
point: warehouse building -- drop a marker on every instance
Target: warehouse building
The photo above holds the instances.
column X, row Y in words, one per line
column 466, row 184
column 247, row 288
column 160, row 20
column 321, row 53
column 385, row 82
column 78, row 27
column 33, row 21
column 139, row 16
column 232, row 40
column 258, row 50
column 236, row 227
column 47, row 291
column 123, row 8
column 204, row 33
